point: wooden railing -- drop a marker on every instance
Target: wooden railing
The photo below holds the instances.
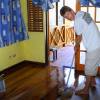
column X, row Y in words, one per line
column 61, row 36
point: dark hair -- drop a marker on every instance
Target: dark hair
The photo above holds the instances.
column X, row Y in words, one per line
column 65, row 9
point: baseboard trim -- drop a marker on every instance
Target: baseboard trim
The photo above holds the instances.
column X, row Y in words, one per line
column 20, row 65
column 35, row 63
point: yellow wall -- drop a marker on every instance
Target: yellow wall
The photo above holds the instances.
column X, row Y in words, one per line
column 10, row 55
column 31, row 50
column 34, row 48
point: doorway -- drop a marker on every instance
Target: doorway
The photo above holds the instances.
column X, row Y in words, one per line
column 61, row 37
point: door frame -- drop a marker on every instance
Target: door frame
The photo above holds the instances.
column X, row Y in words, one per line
column 47, row 33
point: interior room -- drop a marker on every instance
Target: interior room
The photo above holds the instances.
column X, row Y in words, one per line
column 43, row 55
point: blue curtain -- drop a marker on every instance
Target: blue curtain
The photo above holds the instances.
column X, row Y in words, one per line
column 84, row 2
column 12, row 27
column 45, row 4
column 94, row 2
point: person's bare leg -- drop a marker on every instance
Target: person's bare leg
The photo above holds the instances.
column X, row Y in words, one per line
column 93, row 82
column 85, row 90
column 76, row 83
column 76, row 75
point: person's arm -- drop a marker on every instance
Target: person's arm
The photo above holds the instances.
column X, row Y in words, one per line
column 77, row 42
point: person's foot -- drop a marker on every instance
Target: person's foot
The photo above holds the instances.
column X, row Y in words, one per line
column 93, row 83
column 75, row 83
column 82, row 92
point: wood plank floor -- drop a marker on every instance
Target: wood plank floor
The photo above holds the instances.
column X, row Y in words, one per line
column 64, row 59
column 30, row 83
column 94, row 94
column 42, row 83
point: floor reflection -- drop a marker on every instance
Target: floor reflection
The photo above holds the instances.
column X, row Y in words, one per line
column 93, row 94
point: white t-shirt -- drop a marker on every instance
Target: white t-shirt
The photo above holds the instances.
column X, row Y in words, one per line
column 85, row 26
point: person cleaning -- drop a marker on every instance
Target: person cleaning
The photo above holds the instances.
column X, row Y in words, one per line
column 86, row 31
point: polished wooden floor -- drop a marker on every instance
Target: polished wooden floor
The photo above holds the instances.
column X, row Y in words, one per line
column 64, row 59
column 94, row 94
column 33, row 82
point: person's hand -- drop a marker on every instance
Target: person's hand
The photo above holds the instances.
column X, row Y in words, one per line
column 76, row 48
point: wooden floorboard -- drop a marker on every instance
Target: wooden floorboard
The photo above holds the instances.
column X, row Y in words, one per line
column 30, row 82
column 42, row 83
column 94, row 94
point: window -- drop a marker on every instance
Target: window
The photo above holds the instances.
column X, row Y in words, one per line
column 55, row 19
column 94, row 12
column 35, row 17
column 52, row 17
column 60, row 18
column 98, row 15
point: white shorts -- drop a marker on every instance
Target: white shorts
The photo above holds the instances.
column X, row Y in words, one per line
column 91, row 63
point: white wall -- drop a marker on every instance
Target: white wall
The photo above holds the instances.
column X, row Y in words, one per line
column 71, row 3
